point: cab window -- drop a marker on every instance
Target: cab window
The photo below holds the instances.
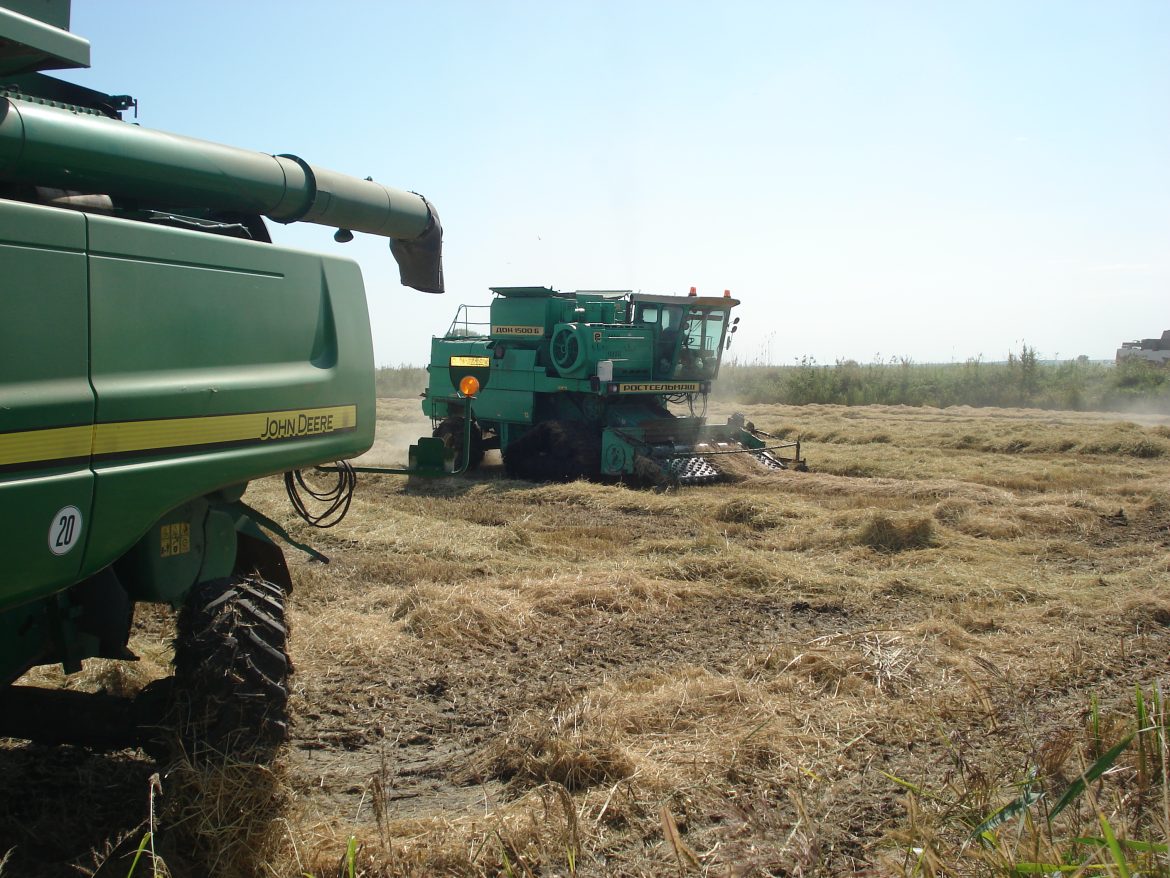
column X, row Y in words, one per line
column 668, row 317
column 704, row 332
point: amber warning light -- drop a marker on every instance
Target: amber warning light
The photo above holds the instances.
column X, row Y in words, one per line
column 469, row 385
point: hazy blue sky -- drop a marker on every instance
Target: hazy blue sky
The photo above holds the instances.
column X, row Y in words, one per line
column 930, row 180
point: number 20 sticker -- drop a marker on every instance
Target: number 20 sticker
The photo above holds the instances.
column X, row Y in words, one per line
column 65, row 530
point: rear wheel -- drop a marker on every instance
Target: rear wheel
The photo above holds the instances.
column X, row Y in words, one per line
column 232, row 669
column 450, row 430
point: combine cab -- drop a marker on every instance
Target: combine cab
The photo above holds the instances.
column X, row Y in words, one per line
column 571, row 385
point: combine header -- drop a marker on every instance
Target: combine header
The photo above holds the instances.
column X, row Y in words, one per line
column 581, row 384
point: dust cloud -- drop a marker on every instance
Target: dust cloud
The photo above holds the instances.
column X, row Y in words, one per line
column 400, row 424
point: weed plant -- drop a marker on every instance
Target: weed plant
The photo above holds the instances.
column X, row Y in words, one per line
column 1093, row 804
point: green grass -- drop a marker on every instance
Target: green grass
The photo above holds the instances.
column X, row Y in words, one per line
column 1122, row 794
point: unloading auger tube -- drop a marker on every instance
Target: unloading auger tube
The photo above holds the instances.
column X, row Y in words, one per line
column 48, row 146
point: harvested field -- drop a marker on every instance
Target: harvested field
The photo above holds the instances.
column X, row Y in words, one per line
column 835, row 672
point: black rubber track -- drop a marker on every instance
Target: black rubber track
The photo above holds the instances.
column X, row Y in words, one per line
column 232, row 670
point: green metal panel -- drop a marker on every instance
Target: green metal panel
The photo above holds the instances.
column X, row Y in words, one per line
column 165, row 563
column 617, row 454
column 194, row 543
column 524, row 321
column 508, row 398
column 630, row 349
column 216, row 361
column 430, row 456
column 219, row 536
column 53, row 12
column 34, row 36
column 527, row 307
column 46, row 403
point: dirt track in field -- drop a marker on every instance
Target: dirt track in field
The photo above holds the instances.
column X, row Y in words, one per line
column 416, row 727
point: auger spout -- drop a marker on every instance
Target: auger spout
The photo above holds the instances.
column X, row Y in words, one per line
column 50, row 146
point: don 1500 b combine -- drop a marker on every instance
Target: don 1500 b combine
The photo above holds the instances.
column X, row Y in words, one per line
column 157, row 352
column 581, row 384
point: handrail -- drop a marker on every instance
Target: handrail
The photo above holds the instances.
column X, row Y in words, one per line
column 463, row 318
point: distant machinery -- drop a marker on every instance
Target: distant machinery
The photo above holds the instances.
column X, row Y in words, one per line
column 1155, row 350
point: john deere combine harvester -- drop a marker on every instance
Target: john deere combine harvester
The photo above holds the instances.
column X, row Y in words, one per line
column 156, row 353
column 581, row 384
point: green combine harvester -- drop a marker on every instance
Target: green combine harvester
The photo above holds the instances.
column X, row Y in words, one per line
column 157, row 352
column 571, row 385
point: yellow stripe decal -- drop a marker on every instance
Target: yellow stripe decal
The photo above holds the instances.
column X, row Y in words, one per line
column 59, row 443
column 120, row 438
column 126, row 437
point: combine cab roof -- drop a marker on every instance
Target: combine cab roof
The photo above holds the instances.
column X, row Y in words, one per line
column 605, row 294
column 544, row 292
column 528, row 292
column 691, row 301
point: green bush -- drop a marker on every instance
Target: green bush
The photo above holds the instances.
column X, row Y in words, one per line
column 399, row 382
column 1022, row 381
